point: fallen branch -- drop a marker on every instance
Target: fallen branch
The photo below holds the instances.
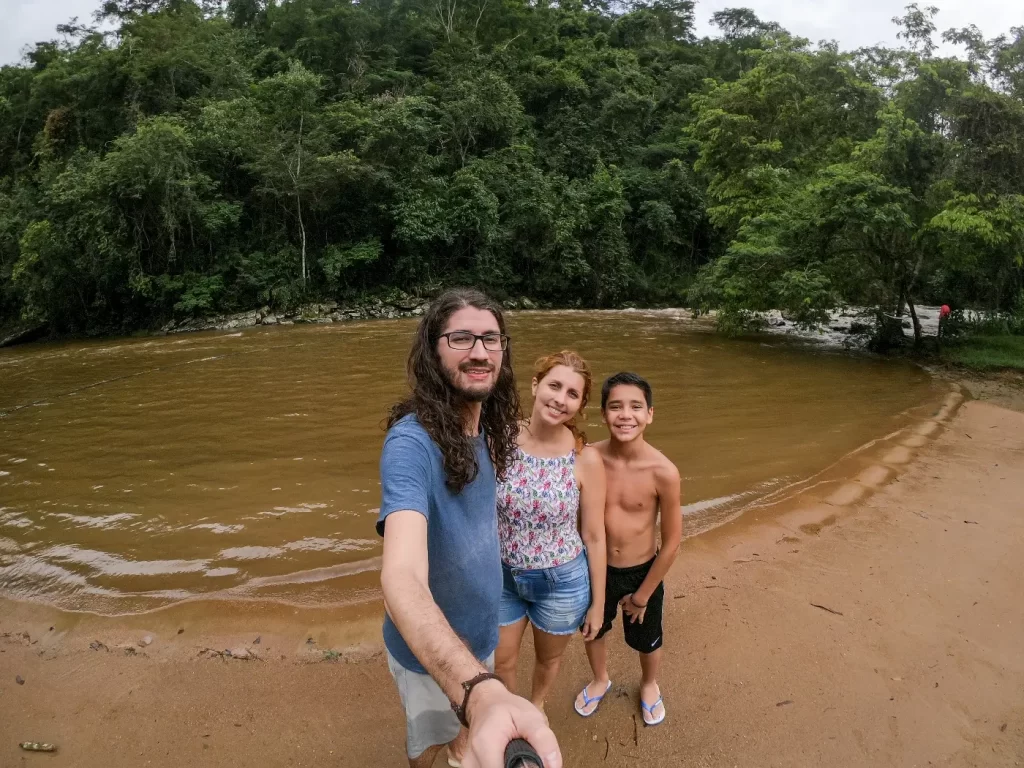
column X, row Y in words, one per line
column 826, row 608
column 241, row 654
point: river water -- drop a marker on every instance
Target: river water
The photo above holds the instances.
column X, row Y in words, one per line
column 142, row 472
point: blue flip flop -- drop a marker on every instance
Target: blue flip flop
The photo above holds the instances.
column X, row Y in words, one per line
column 587, row 701
column 650, row 711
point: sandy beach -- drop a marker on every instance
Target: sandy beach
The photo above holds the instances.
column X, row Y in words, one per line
column 877, row 623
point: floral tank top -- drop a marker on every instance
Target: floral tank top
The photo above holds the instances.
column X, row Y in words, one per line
column 538, row 508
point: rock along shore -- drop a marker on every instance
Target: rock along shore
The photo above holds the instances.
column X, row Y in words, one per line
column 403, row 305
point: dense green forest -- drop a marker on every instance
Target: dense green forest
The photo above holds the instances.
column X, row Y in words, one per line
column 175, row 158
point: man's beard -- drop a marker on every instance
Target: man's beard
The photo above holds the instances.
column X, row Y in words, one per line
column 469, row 395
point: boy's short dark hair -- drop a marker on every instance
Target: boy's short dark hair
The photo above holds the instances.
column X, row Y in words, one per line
column 632, row 379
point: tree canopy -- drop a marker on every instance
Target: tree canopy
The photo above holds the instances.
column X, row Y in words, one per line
column 182, row 157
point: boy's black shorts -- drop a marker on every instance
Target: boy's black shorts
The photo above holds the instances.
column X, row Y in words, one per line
column 646, row 637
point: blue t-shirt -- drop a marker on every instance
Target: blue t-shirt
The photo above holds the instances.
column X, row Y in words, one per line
column 462, row 536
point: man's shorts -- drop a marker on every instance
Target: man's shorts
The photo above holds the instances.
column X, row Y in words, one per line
column 646, row 637
column 429, row 719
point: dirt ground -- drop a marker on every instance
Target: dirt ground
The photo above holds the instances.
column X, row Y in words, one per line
column 879, row 623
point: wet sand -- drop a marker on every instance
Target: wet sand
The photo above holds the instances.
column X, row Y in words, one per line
column 878, row 623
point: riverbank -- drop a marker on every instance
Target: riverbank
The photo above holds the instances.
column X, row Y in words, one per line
column 845, row 327
column 389, row 306
column 862, row 629
column 986, row 353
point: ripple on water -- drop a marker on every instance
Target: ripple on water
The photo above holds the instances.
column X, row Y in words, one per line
column 322, row 544
column 250, row 553
column 96, row 521
column 41, row 575
column 217, row 572
column 113, row 565
column 14, row 519
column 219, row 528
column 298, row 509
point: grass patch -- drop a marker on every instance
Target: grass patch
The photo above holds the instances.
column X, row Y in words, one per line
column 986, row 353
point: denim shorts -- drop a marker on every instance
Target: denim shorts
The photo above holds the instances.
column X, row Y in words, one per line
column 555, row 599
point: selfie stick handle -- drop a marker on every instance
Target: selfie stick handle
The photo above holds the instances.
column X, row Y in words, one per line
column 519, row 754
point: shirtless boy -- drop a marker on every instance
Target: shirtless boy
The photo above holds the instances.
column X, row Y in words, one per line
column 641, row 483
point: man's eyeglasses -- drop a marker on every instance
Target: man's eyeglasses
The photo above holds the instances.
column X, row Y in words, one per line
column 463, row 340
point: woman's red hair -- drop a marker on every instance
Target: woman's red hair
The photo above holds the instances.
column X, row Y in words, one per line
column 573, row 361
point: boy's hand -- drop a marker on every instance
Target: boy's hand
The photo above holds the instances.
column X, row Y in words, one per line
column 632, row 609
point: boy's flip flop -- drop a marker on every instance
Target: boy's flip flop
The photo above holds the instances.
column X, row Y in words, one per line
column 453, row 761
column 587, row 701
column 649, row 710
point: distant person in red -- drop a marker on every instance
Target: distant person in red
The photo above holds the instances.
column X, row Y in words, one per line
column 943, row 314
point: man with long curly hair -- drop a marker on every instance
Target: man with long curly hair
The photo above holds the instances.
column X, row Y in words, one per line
column 446, row 445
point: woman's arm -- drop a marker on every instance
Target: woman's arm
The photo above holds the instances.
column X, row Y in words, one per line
column 590, row 474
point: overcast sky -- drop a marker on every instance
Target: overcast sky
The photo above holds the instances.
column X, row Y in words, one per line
column 854, row 23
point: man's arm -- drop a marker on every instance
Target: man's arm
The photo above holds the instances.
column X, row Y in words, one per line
column 666, row 479
column 495, row 716
column 411, row 606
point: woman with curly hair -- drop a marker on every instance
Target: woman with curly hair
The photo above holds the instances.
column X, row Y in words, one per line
column 447, row 444
column 551, row 527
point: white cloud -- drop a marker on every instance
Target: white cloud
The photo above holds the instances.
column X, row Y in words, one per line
column 853, row 24
column 867, row 22
column 26, row 22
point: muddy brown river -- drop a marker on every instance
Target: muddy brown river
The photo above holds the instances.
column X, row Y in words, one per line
column 142, row 472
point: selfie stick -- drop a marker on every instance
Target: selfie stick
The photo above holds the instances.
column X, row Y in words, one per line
column 519, row 754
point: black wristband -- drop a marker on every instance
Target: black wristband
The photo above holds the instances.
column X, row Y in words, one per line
column 468, row 686
column 638, row 605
